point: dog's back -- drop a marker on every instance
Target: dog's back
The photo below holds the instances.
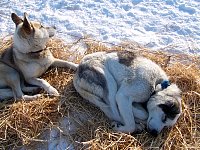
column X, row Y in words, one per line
column 92, row 73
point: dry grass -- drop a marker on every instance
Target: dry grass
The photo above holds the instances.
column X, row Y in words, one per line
column 22, row 123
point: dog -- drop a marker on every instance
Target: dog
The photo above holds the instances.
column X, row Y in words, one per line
column 28, row 57
column 118, row 82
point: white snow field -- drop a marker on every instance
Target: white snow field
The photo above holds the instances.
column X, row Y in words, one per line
column 169, row 25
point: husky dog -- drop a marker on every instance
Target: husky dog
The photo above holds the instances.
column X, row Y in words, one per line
column 119, row 82
column 30, row 57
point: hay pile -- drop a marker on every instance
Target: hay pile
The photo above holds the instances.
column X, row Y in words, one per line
column 23, row 123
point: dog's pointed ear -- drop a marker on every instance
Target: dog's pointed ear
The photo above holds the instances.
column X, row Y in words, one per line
column 26, row 24
column 16, row 19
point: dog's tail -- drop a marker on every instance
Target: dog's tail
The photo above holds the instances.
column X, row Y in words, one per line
column 63, row 63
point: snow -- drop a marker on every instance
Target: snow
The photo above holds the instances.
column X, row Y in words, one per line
column 59, row 137
column 58, row 142
column 170, row 25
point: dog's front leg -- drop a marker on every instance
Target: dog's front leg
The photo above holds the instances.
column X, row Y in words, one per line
column 139, row 111
column 126, row 111
column 64, row 64
column 112, row 90
column 44, row 84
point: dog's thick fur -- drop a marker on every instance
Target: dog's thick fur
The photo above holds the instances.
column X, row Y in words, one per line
column 11, row 85
column 28, row 57
column 118, row 82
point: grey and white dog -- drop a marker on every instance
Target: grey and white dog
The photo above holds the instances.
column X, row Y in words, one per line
column 118, row 82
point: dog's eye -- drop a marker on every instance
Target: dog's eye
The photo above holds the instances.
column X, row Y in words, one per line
column 41, row 26
column 164, row 118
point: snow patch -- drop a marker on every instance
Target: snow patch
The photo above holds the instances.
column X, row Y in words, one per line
column 187, row 9
column 113, row 21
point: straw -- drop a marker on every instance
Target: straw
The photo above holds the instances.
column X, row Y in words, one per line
column 22, row 123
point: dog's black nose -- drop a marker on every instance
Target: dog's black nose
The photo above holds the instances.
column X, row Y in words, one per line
column 154, row 132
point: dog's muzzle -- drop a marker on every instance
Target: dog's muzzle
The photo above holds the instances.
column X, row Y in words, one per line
column 51, row 31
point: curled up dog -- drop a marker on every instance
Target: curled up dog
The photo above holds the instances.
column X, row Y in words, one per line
column 28, row 59
column 119, row 82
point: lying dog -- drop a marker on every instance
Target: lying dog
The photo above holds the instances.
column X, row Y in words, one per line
column 30, row 57
column 118, row 82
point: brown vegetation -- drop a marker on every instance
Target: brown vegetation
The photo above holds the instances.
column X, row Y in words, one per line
column 22, row 122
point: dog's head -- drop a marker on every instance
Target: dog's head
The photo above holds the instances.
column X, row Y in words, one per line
column 30, row 36
column 164, row 109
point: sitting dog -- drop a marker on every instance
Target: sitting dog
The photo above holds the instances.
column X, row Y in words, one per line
column 118, row 82
column 28, row 57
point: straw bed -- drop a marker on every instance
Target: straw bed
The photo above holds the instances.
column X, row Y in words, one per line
column 22, row 123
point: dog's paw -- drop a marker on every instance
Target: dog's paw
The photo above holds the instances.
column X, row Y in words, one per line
column 33, row 97
column 115, row 124
column 52, row 91
column 37, row 96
